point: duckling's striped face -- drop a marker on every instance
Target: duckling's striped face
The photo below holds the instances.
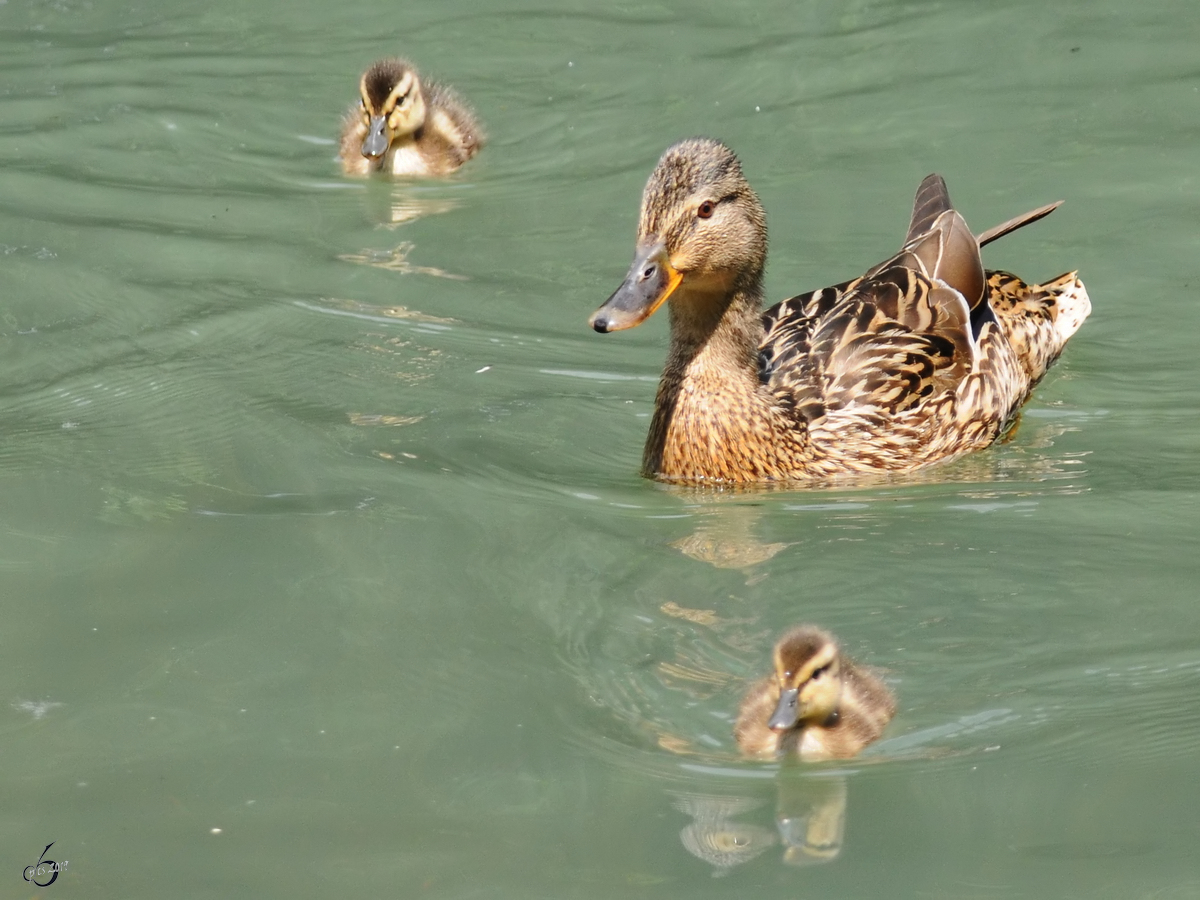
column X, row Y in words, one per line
column 392, row 105
column 808, row 671
column 701, row 231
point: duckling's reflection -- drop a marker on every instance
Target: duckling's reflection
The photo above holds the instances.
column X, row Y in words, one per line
column 401, row 205
column 810, row 823
column 811, row 817
column 405, row 203
column 396, row 260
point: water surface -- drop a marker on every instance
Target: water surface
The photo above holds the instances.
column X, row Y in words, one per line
column 326, row 562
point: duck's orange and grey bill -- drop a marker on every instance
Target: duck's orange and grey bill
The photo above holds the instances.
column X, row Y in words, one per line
column 651, row 280
column 376, row 142
column 787, row 711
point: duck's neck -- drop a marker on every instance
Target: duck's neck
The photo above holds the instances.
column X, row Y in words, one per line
column 710, row 391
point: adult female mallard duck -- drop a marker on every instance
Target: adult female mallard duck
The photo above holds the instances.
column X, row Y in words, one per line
column 817, row 704
column 406, row 126
column 923, row 358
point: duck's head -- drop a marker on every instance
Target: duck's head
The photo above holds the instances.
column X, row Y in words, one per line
column 392, row 104
column 702, row 234
column 808, row 671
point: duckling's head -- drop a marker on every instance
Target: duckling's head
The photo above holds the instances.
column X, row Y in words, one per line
column 392, row 104
column 809, row 674
column 702, row 234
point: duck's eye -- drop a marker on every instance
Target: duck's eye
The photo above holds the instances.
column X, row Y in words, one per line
column 706, row 209
column 819, row 672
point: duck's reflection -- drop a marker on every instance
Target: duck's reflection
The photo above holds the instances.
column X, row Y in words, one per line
column 715, row 837
column 810, row 823
column 724, row 537
column 728, row 519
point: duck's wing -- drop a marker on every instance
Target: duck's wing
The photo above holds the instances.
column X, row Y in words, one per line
column 887, row 342
column 899, row 334
column 785, row 361
column 890, row 339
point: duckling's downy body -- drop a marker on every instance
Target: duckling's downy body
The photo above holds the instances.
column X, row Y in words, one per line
column 817, row 704
column 923, row 358
column 405, row 125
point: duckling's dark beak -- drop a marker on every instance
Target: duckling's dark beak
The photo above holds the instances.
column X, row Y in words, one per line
column 376, row 142
column 651, row 280
column 787, row 711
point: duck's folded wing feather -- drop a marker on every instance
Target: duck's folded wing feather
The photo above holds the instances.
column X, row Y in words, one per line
column 939, row 244
column 888, row 342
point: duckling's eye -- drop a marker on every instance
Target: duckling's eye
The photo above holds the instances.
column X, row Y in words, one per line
column 706, row 209
column 819, row 672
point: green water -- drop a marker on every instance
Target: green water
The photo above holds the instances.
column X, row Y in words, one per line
column 326, row 566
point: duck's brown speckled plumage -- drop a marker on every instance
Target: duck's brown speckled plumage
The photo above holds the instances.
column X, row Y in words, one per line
column 839, row 707
column 429, row 129
column 921, row 359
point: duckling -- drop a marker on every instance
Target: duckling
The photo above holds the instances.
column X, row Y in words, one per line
column 818, row 704
column 406, row 126
column 922, row 359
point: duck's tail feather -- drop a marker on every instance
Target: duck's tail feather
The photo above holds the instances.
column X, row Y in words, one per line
column 931, row 201
column 999, row 231
column 1073, row 303
column 1038, row 319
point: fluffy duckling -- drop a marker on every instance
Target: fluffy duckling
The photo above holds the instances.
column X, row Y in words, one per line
column 817, row 704
column 923, row 358
column 406, row 126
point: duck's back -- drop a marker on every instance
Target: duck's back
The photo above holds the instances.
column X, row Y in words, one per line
column 855, row 344
column 925, row 356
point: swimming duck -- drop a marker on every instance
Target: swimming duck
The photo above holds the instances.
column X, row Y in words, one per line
column 923, row 358
column 404, row 125
column 817, row 704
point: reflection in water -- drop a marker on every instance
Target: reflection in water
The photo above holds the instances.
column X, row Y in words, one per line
column 403, row 207
column 383, row 313
column 714, row 837
column 725, row 534
column 811, row 817
column 396, row 260
column 725, row 538
column 403, row 203
column 698, row 616
column 810, row 823
column 400, row 357
column 378, row 419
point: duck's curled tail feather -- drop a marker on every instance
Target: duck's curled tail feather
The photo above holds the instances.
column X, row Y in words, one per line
column 1025, row 310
